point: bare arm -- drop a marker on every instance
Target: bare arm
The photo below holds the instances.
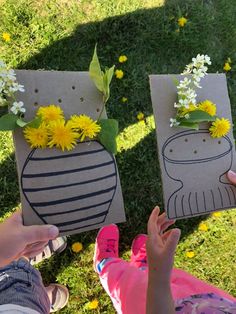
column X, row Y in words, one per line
column 161, row 247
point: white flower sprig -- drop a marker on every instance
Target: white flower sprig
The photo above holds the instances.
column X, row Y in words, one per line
column 186, row 87
column 189, row 113
column 8, row 87
column 17, row 107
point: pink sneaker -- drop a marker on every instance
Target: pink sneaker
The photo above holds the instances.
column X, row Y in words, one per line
column 106, row 245
column 138, row 251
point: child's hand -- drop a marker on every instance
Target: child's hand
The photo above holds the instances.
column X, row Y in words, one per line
column 161, row 245
column 17, row 240
column 231, row 177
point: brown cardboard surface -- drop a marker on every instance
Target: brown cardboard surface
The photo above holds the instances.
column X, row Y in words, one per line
column 193, row 164
column 76, row 190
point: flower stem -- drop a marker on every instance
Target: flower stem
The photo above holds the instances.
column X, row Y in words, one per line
column 103, row 106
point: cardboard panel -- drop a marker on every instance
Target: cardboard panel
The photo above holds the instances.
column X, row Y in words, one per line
column 193, row 164
column 76, row 190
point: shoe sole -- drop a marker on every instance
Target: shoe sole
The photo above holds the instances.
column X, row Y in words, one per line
column 64, row 288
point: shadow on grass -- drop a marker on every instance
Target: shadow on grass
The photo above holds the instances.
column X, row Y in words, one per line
column 153, row 43
column 9, row 189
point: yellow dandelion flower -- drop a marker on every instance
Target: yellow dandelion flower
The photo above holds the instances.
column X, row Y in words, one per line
column 227, row 67
column 140, row 116
column 122, row 59
column 190, row 254
column 216, row 214
column 119, row 74
column 202, row 227
column 85, row 126
column 182, row 21
column 220, row 127
column 37, row 137
column 77, row 247
column 184, row 111
column 208, row 106
column 6, row 37
column 50, row 113
column 124, row 99
column 61, row 135
column 93, row 305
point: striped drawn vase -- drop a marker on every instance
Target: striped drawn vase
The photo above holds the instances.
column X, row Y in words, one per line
column 72, row 190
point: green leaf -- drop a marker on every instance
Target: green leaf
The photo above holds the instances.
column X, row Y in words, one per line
column 200, row 116
column 21, row 123
column 108, row 134
column 188, row 125
column 8, row 122
column 35, row 123
column 95, row 71
column 107, row 81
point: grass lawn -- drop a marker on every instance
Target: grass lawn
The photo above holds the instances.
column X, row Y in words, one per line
column 60, row 35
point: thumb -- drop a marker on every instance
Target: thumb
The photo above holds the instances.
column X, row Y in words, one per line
column 39, row 233
column 231, row 176
column 16, row 218
column 172, row 241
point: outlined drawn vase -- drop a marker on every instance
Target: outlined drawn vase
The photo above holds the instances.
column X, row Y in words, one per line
column 191, row 148
column 71, row 189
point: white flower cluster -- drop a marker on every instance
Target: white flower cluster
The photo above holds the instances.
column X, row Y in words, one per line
column 173, row 122
column 17, row 107
column 186, row 87
column 197, row 68
column 8, row 86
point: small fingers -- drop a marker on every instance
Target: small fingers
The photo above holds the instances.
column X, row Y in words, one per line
column 36, row 246
column 167, row 224
column 166, row 235
column 172, row 241
column 163, row 223
column 231, row 177
column 152, row 222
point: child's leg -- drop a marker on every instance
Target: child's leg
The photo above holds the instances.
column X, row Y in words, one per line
column 126, row 285
column 21, row 284
column 183, row 285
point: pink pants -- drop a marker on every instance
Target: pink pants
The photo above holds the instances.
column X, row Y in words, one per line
column 126, row 285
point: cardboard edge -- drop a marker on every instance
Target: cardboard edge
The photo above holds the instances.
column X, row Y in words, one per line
column 151, row 77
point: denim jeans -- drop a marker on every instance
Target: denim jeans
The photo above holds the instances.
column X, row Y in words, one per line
column 21, row 284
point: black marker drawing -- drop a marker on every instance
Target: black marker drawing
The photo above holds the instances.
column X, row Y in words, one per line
column 208, row 155
column 72, row 190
